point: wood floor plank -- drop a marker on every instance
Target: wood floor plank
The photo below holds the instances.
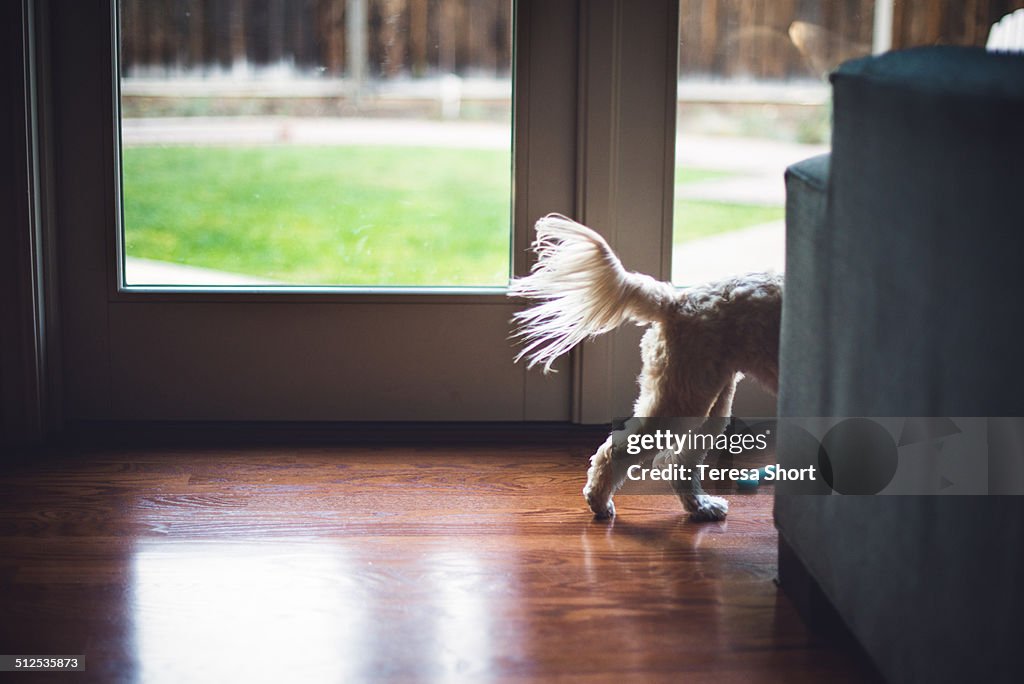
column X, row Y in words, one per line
column 319, row 563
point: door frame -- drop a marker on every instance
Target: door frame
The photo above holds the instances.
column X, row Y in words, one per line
column 594, row 120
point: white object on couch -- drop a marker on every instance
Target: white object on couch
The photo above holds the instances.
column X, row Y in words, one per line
column 1007, row 34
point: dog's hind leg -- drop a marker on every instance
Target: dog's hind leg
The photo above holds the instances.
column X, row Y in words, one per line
column 703, row 507
column 610, row 463
column 608, row 469
column 603, row 480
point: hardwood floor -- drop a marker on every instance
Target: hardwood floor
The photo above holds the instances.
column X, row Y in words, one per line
column 352, row 563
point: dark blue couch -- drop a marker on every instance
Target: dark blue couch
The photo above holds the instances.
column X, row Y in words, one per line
column 905, row 297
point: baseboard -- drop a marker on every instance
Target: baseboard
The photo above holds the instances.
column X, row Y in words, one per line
column 221, row 433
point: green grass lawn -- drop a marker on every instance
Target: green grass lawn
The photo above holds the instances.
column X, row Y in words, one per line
column 696, row 219
column 325, row 215
column 346, row 215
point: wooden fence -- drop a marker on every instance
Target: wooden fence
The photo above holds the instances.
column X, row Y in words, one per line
column 409, row 37
column 776, row 39
column 761, row 39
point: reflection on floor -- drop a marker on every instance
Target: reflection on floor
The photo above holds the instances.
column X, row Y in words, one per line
column 407, row 563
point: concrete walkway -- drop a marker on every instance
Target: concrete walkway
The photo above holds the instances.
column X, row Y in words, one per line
column 758, row 248
column 150, row 272
column 270, row 130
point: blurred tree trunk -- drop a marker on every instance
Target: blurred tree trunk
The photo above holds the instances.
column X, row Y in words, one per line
column 275, row 31
column 332, row 25
column 447, row 28
column 236, row 34
column 418, row 37
column 393, row 46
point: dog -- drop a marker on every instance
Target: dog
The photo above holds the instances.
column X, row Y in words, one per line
column 700, row 342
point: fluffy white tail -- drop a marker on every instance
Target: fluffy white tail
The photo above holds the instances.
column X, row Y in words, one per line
column 584, row 291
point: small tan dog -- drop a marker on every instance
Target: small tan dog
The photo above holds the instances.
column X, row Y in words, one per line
column 700, row 343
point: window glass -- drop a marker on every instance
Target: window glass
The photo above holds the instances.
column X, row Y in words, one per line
column 317, row 142
column 754, row 98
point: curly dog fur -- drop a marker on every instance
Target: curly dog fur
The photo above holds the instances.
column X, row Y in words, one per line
column 700, row 343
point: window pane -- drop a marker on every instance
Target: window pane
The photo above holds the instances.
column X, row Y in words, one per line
column 324, row 142
column 754, row 98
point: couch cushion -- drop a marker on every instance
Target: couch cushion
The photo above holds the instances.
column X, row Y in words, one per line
column 803, row 362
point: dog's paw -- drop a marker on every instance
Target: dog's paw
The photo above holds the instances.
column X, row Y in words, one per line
column 602, row 508
column 606, row 512
column 709, row 509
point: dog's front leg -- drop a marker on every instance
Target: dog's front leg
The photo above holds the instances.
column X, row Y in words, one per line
column 701, row 506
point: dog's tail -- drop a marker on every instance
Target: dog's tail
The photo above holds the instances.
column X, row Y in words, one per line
column 584, row 291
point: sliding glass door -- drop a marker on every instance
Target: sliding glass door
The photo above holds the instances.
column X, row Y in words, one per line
column 310, row 211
